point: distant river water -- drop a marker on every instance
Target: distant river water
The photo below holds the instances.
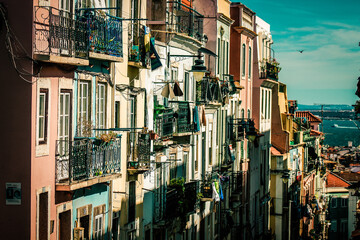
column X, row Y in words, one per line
column 345, row 131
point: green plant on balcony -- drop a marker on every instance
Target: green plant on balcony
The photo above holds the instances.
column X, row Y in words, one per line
column 270, row 68
column 134, row 54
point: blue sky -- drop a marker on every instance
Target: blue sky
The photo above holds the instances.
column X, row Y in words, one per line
column 329, row 32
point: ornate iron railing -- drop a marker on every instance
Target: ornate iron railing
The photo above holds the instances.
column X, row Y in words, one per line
column 105, row 33
column 270, row 71
column 208, row 90
column 184, row 19
column 139, row 150
column 83, row 159
column 238, row 128
column 164, row 123
column 59, row 32
column 183, row 122
column 236, row 182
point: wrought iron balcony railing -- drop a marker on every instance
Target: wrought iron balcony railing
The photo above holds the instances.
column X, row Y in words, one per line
column 238, row 128
column 183, row 121
column 164, row 123
column 270, row 71
column 236, row 182
column 84, row 159
column 184, row 19
column 181, row 200
column 208, row 90
column 138, row 152
column 60, row 33
column 105, row 33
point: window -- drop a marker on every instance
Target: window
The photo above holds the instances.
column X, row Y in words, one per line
column 98, row 230
column 269, row 104
column 262, row 103
column 64, row 128
column 343, row 226
column 266, row 104
column 218, row 57
column 243, row 60
column 84, row 109
column 250, row 63
column 344, row 202
column 242, row 113
column 227, row 58
column 43, row 115
column 100, row 101
column 248, row 113
column 187, row 88
column 334, row 202
column 174, row 74
column 117, row 114
column 210, row 143
column 132, row 202
column 43, row 216
column 333, row 227
column 66, row 5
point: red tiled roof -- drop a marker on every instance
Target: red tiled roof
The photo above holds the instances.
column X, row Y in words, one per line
column 334, row 180
column 308, row 115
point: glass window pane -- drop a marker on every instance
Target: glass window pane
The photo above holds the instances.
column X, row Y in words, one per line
column 67, row 103
column 41, row 127
column 41, row 105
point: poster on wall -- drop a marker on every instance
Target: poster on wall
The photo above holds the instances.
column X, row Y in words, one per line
column 13, row 193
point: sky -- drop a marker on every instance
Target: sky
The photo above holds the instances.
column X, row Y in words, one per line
column 329, row 33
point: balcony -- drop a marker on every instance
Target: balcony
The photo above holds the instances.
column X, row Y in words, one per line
column 84, row 162
column 206, row 191
column 105, row 35
column 60, row 37
column 137, row 53
column 208, row 91
column 66, row 38
column 236, row 182
column 270, row 70
column 164, row 122
column 139, row 153
column 183, row 123
column 181, row 198
column 185, row 20
column 237, row 128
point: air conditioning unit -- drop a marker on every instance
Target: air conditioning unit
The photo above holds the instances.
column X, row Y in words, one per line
column 79, row 233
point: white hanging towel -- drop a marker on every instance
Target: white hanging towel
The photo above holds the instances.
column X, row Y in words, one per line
column 215, row 194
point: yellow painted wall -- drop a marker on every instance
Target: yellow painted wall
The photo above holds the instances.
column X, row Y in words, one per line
column 224, row 7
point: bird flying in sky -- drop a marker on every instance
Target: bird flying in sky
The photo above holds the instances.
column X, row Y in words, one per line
column 301, row 51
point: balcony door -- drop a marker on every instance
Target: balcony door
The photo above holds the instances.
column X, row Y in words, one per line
column 65, row 22
column 64, row 133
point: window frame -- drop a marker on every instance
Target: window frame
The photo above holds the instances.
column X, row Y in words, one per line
column 98, row 228
column 249, row 63
column 243, row 58
column 101, row 102
column 83, row 114
column 43, row 92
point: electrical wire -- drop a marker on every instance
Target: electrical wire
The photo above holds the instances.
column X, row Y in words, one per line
column 13, row 45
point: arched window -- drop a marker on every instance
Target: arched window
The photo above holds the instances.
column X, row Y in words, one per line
column 243, row 60
column 242, row 113
column 248, row 113
column 250, row 63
